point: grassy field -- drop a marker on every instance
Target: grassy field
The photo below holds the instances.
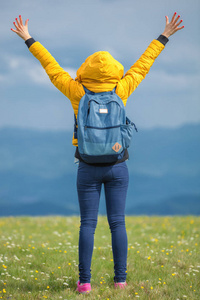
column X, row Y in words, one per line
column 39, row 258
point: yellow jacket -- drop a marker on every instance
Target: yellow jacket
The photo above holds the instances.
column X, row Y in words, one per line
column 99, row 73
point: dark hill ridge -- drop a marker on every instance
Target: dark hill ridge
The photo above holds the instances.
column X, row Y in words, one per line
column 38, row 174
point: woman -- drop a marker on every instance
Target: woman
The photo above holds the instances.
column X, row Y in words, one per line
column 100, row 73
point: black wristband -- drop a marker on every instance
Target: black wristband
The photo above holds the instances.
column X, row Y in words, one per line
column 163, row 39
column 29, row 42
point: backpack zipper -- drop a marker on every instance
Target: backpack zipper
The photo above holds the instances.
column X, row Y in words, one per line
column 110, row 127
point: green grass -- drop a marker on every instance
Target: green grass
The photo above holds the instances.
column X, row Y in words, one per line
column 39, row 258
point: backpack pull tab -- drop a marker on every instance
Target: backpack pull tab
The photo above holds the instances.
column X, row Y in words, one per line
column 135, row 127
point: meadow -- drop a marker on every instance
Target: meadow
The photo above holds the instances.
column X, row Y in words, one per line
column 39, row 258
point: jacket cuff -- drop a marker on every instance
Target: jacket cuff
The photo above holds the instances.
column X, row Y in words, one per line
column 29, row 42
column 163, row 39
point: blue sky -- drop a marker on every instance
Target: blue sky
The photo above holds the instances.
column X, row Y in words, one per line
column 72, row 30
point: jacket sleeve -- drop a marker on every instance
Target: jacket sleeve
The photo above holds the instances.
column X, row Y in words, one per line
column 58, row 76
column 138, row 71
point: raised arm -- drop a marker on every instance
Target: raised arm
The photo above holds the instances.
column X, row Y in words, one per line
column 138, row 71
column 58, row 76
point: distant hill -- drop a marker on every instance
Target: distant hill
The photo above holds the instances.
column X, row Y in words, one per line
column 38, row 174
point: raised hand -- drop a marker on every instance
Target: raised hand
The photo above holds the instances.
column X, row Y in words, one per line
column 21, row 30
column 173, row 26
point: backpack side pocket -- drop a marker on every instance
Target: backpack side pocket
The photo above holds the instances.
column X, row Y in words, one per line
column 127, row 133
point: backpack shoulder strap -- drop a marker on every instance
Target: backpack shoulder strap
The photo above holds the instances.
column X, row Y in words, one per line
column 88, row 91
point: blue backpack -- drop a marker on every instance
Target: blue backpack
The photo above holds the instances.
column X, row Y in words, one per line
column 102, row 128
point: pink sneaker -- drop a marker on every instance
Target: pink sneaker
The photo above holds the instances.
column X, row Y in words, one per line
column 84, row 288
column 121, row 285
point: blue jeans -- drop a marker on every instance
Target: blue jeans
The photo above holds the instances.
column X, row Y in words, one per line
column 89, row 181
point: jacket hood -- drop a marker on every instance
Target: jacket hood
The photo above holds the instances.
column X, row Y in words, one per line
column 100, row 72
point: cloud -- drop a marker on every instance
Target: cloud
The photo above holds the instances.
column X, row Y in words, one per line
column 72, row 30
column 71, row 71
column 38, row 75
column 20, row 70
column 2, row 78
column 174, row 82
